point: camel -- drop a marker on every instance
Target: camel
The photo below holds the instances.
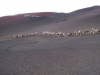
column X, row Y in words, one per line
column 58, row 34
column 69, row 34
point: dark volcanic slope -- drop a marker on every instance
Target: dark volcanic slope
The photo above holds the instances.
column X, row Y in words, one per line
column 75, row 22
column 25, row 22
column 84, row 11
column 87, row 9
column 20, row 24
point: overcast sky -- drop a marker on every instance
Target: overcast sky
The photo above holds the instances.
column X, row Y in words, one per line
column 12, row 7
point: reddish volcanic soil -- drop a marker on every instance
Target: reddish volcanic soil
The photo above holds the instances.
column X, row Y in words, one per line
column 48, row 55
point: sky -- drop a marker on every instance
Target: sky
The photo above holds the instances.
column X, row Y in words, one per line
column 13, row 7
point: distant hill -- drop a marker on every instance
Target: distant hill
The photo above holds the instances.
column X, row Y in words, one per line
column 83, row 11
column 86, row 9
column 83, row 19
column 23, row 22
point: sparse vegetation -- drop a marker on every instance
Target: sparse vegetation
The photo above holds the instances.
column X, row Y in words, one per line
column 56, row 21
column 63, row 19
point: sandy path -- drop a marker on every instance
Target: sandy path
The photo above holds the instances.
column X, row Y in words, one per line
column 56, row 56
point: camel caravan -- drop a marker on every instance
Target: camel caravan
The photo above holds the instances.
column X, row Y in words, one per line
column 58, row 34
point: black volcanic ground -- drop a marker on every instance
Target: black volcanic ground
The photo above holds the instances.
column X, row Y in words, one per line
column 47, row 55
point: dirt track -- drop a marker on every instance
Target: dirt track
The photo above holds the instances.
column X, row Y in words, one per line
column 51, row 56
